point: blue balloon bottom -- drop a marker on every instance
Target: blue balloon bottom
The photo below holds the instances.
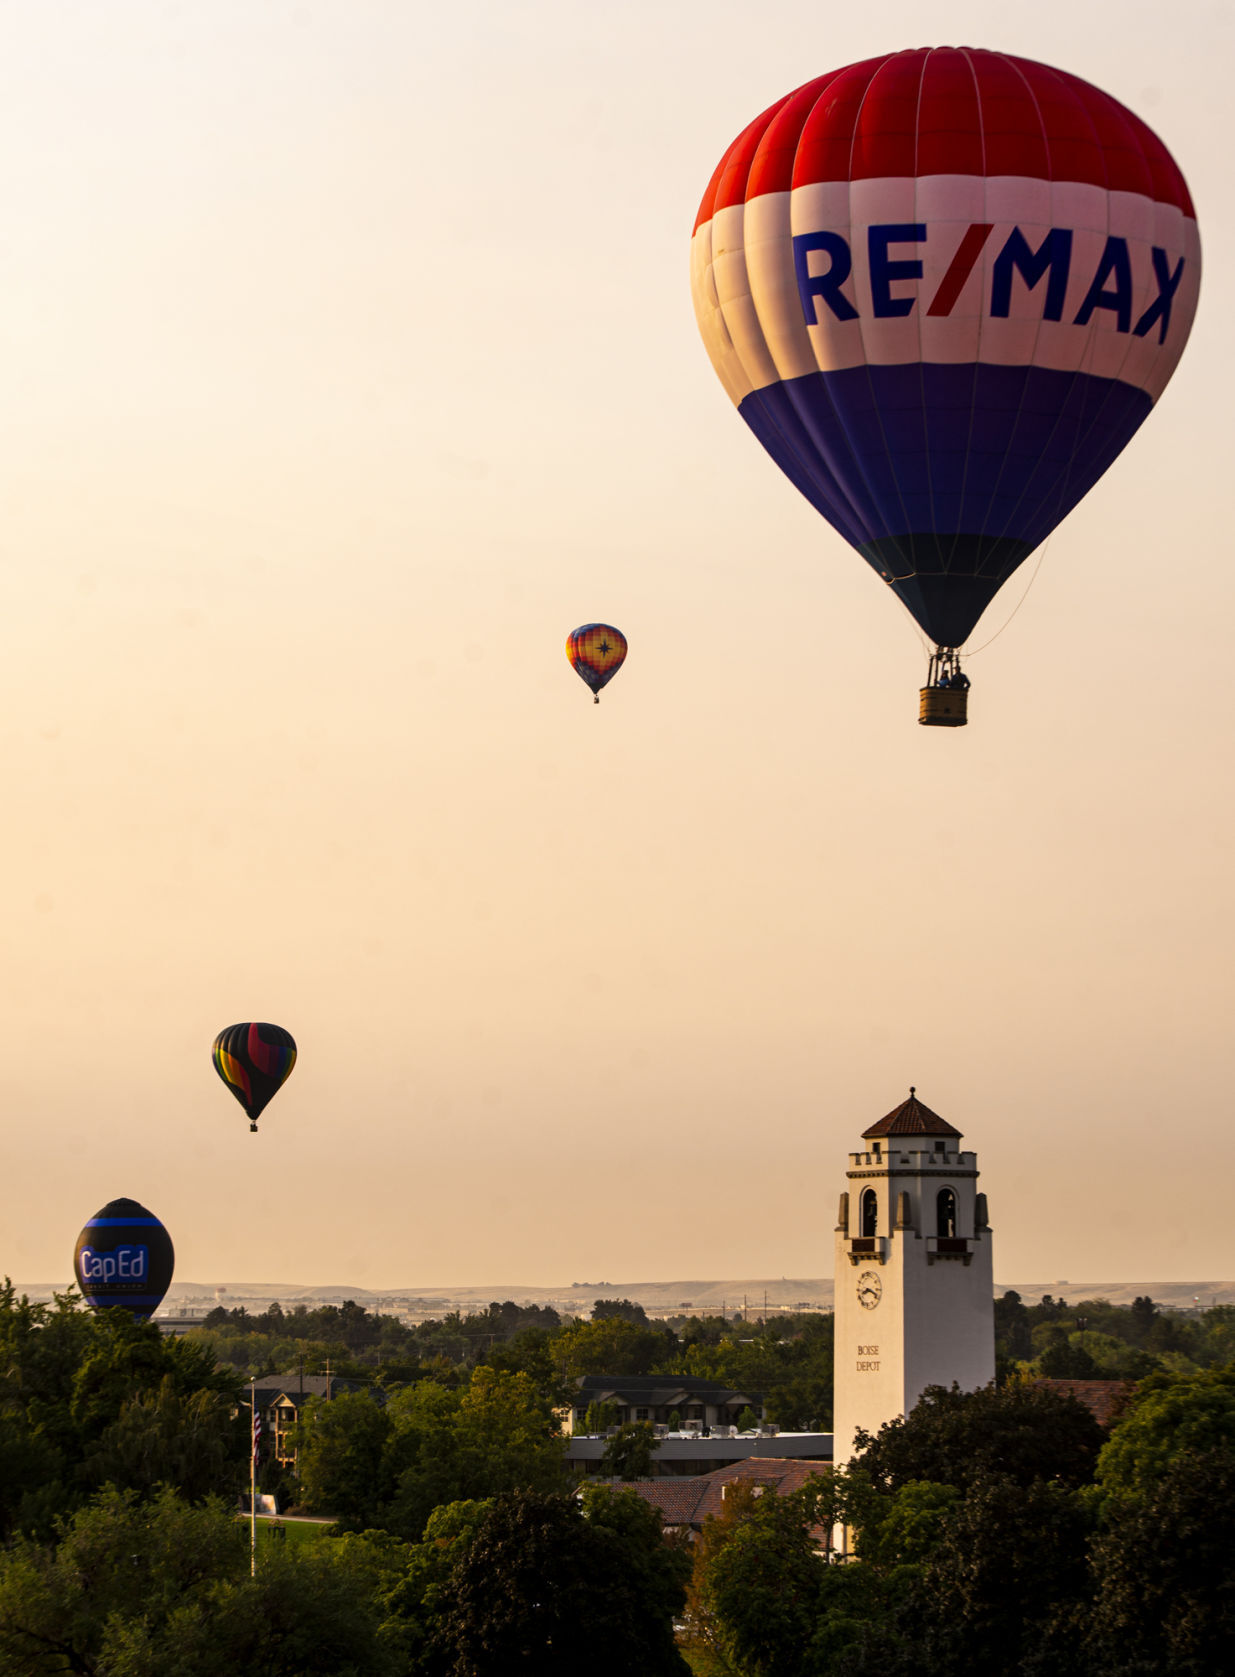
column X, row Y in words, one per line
column 945, row 477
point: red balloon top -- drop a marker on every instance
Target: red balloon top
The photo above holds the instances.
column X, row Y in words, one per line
column 946, row 111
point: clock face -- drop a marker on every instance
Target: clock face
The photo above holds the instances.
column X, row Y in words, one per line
column 870, row 1289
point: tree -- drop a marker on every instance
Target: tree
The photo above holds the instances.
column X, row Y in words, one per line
column 531, row 1352
column 789, row 1361
column 544, row 1587
column 599, row 1417
column 1007, row 1564
column 611, row 1346
column 1163, row 1585
column 703, row 1625
column 165, row 1436
column 802, row 1402
column 140, row 1589
column 625, row 1310
column 341, row 1457
column 449, row 1446
column 648, row 1575
column 124, row 1357
column 902, row 1529
column 1018, row 1431
column 415, row 1590
column 1062, row 1360
column 1144, row 1314
column 628, row 1454
column 1168, row 1414
column 86, row 1396
column 1012, row 1327
column 115, row 1560
column 757, row 1592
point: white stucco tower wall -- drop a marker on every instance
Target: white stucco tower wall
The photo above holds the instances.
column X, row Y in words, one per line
column 914, row 1280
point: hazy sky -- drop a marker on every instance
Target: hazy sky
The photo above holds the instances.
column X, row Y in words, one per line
column 348, row 363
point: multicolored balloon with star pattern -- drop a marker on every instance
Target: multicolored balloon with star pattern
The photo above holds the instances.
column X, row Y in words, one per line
column 597, row 652
column 255, row 1061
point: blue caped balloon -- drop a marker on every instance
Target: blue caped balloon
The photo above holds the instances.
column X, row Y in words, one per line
column 124, row 1257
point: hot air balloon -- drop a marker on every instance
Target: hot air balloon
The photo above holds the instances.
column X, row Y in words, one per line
column 597, row 651
column 124, row 1257
column 255, row 1061
column 944, row 288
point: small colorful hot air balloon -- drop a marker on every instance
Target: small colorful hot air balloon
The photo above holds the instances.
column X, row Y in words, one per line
column 124, row 1257
column 255, row 1061
column 597, row 651
column 944, row 287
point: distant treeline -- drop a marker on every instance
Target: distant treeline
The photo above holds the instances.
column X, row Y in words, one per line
column 1090, row 1339
column 788, row 1358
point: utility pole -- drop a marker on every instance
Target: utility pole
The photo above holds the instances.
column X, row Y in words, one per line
column 253, row 1479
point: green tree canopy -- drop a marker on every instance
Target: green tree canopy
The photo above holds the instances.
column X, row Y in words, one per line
column 391, row 1466
column 758, row 1589
column 1168, row 1414
column 1002, row 1580
column 1018, row 1431
column 86, row 1398
column 1163, row 1584
column 342, row 1458
column 628, row 1454
column 143, row 1589
column 612, row 1345
column 544, row 1586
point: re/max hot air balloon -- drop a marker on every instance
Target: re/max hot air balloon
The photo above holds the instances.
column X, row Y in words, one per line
column 124, row 1257
column 597, row 651
column 255, row 1061
column 944, row 288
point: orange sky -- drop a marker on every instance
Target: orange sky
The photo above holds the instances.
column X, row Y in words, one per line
column 349, row 363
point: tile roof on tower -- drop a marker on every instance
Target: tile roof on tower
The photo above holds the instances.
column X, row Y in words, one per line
column 911, row 1118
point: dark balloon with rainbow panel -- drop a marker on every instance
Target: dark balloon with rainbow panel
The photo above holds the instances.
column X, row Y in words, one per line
column 597, row 652
column 124, row 1258
column 255, row 1061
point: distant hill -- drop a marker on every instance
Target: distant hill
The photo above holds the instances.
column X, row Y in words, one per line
column 658, row 1298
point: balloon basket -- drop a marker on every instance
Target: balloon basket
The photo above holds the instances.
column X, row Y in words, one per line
column 943, row 707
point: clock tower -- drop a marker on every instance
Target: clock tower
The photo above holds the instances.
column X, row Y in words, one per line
column 914, row 1282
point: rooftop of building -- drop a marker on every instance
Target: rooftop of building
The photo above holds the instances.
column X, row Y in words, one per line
column 688, row 1502
column 1104, row 1399
column 911, row 1117
column 651, row 1389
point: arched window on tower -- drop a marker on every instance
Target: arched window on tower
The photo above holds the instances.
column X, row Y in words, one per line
column 945, row 1214
column 870, row 1213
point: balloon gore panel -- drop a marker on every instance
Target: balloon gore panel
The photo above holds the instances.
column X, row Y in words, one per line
column 124, row 1256
column 945, row 478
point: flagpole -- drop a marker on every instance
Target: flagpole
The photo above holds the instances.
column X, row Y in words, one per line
column 253, row 1482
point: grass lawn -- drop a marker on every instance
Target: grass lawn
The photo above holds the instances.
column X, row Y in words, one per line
column 270, row 1530
column 703, row 1664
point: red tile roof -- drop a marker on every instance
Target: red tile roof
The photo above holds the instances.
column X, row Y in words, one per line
column 1104, row 1399
column 911, row 1118
column 689, row 1501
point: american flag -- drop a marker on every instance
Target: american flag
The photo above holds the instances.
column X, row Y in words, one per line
column 257, row 1432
